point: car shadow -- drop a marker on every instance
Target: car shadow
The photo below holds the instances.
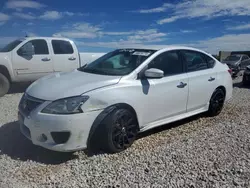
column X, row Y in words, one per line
column 240, row 85
column 19, row 87
column 16, row 146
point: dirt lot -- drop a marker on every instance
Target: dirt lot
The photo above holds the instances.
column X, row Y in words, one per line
column 196, row 152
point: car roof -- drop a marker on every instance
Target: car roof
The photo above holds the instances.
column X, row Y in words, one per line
column 55, row 38
column 166, row 48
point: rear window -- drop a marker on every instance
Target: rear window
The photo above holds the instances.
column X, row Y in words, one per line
column 62, row 47
column 232, row 58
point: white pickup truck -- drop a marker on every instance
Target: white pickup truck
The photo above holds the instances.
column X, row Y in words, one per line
column 28, row 59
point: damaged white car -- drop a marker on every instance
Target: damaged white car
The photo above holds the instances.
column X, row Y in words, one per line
column 106, row 103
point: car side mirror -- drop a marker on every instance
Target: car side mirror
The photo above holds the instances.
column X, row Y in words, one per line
column 27, row 50
column 154, row 73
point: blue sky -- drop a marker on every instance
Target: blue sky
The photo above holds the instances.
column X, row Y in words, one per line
column 100, row 26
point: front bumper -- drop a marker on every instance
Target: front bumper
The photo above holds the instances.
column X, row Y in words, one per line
column 39, row 128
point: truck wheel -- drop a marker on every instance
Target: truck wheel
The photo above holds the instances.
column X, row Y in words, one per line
column 4, row 85
column 119, row 131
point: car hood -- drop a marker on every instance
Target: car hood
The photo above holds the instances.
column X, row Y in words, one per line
column 230, row 62
column 3, row 55
column 62, row 85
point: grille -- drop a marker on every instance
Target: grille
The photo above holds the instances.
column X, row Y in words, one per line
column 28, row 104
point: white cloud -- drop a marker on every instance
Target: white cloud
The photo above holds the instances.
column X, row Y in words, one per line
column 162, row 8
column 75, row 34
column 116, row 33
column 86, row 27
column 81, row 30
column 4, row 17
column 20, row 4
column 201, row 8
column 168, row 20
column 55, row 15
column 213, row 45
column 51, row 15
column 69, row 13
column 187, row 31
column 223, row 43
column 150, row 35
column 86, row 30
column 239, row 27
column 24, row 16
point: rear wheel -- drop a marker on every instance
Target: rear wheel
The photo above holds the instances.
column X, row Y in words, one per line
column 118, row 131
column 216, row 103
column 4, row 85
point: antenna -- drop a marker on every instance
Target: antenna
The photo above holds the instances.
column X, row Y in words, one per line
column 26, row 34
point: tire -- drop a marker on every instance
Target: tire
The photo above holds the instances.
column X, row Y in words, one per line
column 4, row 85
column 117, row 131
column 216, row 103
column 244, row 81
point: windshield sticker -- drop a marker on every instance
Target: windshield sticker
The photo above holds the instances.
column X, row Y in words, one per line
column 127, row 50
column 142, row 53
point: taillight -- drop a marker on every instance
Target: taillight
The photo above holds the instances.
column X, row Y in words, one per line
column 230, row 71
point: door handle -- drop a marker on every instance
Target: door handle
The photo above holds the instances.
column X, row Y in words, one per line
column 182, row 85
column 211, row 79
column 45, row 59
column 72, row 58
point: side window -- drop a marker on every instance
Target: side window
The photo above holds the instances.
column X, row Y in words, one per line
column 40, row 47
column 62, row 47
column 244, row 58
column 195, row 61
column 169, row 62
column 210, row 61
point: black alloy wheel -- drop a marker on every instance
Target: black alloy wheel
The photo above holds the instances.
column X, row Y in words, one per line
column 124, row 130
column 216, row 102
column 117, row 131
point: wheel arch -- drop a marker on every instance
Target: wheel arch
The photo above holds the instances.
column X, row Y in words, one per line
column 223, row 89
column 102, row 116
column 5, row 72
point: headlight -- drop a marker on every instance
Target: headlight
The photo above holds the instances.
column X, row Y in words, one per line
column 70, row 105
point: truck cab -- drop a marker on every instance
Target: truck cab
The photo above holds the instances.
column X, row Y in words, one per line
column 28, row 59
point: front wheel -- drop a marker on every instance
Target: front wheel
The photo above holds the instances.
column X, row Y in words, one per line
column 244, row 81
column 119, row 131
column 216, row 103
column 4, row 85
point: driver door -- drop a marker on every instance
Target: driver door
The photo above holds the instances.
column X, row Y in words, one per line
column 28, row 67
column 167, row 96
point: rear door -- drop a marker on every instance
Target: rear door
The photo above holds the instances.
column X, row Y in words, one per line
column 65, row 55
column 202, row 79
column 33, row 67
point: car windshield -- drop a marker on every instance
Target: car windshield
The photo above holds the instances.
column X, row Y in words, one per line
column 9, row 47
column 233, row 58
column 119, row 62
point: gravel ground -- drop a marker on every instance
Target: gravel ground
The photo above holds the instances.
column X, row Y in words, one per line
column 196, row 152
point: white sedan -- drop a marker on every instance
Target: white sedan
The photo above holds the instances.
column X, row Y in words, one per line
column 105, row 104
